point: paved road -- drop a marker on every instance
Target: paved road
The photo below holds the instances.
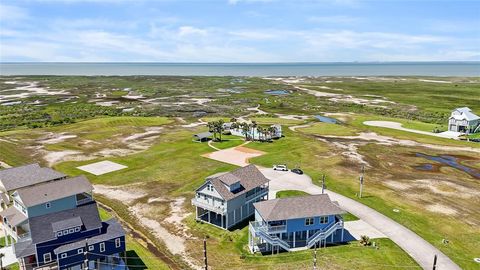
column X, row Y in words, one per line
column 420, row 250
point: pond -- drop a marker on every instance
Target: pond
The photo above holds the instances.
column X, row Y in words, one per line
column 446, row 160
column 277, row 92
column 326, row 119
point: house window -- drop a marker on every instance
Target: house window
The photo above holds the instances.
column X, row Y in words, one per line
column 80, row 250
column 65, row 232
column 324, row 220
column 47, row 257
column 90, row 248
column 59, row 234
column 102, row 247
column 117, row 243
column 72, row 230
column 309, row 221
column 48, row 205
column 63, row 255
column 77, row 229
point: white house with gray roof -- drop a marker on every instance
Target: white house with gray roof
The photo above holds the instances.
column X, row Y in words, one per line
column 463, row 120
column 226, row 199
column 295, row 223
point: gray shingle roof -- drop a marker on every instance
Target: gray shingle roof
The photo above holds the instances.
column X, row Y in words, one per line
column 203, row 135
column 297, row 207
column 55, row 190
column 41, row 227
column 13, row 215
column 24, row 248
column 27, row 175
column 111, row 229
column 249, row 176
column 67, row 224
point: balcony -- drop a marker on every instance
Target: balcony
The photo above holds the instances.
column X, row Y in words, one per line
column 260, row 193
column 215, row 208
column 84, row 198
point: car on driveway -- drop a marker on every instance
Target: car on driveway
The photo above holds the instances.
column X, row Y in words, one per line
column 280, row 167
column 297, row 171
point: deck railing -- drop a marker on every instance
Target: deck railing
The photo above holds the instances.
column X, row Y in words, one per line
column 323, row 234
column 216, row 208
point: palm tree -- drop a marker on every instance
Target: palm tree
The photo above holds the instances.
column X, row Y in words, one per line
column 220, row 128
column 253, row 126
column 272, row 130
column 212, row 129
column 261, row 131
column 245, row 128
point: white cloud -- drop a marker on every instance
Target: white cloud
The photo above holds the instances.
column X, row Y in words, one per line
column 190, row 30
column 337, row 19
column 9, row 13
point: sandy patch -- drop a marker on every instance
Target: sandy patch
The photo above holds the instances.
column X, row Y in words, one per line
column 398, row 126
column 294, row 128
column 195, row 124
column 237, row 155
column 434, row 81
column 441, row 209
column 53, row 138
column 126, row 194
column 397, row 185
column 53, row 157
column 148, row 132
column 293, row 116
column 27, row 89
column 257, row 110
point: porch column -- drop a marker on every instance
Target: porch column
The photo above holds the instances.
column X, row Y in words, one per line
column 226, row 221
column 342, row 234
column 222, row 220
column 331, row 238
column 196, row 212
column 209, row 217
column 307, row 233
column 294, row 239
column 241, row 212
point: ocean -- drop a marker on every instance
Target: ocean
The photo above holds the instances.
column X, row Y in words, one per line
column 460, row 69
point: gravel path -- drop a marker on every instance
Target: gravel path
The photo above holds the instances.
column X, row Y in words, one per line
column 398, row 126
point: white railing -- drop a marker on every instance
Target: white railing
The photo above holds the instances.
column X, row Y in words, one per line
column 208, row 206
column 320, row 235
column 264, row 233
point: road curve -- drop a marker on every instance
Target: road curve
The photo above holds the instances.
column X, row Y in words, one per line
column 420, row 250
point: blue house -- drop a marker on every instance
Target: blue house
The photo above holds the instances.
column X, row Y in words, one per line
column 55, row 223
column 295, row 223
column 226, row 199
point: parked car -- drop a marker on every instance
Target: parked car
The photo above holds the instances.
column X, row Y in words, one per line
column 297, row 171
column 280, row 167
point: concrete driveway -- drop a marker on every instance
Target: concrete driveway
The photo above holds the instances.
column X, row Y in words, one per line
column 420, row 250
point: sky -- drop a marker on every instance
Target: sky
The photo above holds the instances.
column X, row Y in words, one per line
column 239, row 30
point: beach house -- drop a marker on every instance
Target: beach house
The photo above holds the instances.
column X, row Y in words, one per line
column 463, row 120
column 226, row 199
column 52, row 221
column 295, row 223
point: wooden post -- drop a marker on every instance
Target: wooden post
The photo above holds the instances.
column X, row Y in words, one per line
column 323, row 184
column 205, row 253
column 435, row 262
column 315, row 258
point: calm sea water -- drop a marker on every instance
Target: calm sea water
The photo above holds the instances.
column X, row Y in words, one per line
column 247, row 69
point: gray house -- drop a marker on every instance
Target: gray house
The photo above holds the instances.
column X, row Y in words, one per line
column 225, row 199
column 464, row 120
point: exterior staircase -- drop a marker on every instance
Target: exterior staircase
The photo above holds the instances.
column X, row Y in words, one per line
column 321, row 235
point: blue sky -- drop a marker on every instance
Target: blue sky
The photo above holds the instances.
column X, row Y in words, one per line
column 239, row 30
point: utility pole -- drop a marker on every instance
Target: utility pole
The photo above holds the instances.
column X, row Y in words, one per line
column 315, row 258
column 323, row 184
column 205, row 252
column 435, row 262
column 85, row 253
column 361, row 181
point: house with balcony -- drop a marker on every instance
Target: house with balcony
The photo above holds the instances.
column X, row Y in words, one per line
column 68, row 238
column 48, row 216
column 226, row 199
column 463, row 120
column 295, row 223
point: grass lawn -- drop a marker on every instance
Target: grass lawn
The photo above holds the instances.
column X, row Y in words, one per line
column 276, row 120
column 290, row 193
column 233, row 245
column 329, row 129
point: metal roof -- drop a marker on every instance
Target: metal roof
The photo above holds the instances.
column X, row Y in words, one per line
column 297, row 207
column 67, row 224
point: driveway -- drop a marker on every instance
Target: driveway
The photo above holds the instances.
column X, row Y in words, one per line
column 398, row 126
column 420, row 250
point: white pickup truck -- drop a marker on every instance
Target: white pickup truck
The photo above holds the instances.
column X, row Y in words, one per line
column 280, row 167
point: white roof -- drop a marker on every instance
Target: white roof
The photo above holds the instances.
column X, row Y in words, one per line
column 466, row 114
